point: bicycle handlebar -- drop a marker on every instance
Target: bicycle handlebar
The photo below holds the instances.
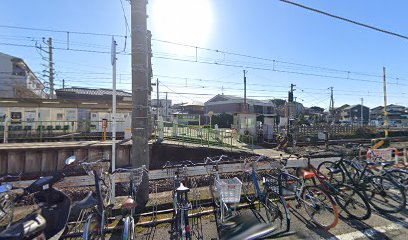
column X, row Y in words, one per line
column 10, row 177
column 210, row 160
column 122, row 170
column 184, row 163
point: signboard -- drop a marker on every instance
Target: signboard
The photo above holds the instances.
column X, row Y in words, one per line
column 104, row 123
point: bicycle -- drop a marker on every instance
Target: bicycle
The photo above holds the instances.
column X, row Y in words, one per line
column 347, row 197
column 95, row 207
column 317, row 202
column 382, row 191
column 129, row 205
column 180, row 227
column 224, row 192
column 277, row 214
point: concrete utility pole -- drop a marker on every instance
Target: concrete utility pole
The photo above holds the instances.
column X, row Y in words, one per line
column 331, row 107
column 385, row 105
column 362, row 110
column 140, row 94
column 245, row 101
column 63, row 83
column 290, row 103
column 158, row 100
column 166, row 107
column 51, row 68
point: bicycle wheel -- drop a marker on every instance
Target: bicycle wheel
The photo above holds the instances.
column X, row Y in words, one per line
column 277, row 213
column 91, row 227
column 352, row 202
column 400, row 176
column 319, row 206
column 128, row 229
column 384, row 194
column 334, row 174
column 248, row 187
column 353, row 171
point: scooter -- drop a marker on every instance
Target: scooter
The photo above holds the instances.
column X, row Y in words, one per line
column 50, row 218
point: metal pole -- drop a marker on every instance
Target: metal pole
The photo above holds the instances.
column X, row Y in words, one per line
column 166, row 108
column 385, row 106
column 361, row 114
column 113, row 116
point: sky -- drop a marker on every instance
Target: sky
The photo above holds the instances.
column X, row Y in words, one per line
column 201, row 47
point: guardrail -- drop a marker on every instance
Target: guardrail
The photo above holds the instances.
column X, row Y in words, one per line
column 204, row 136
column 86, row 180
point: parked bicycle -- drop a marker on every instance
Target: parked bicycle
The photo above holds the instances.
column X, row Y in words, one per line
column 318, row 203
column 277, row 214
column 181, row 228
column 50, row 216
column 346, row 196
column 95, row 207
column 224, row 192
column 381, row 190
column 130, row 204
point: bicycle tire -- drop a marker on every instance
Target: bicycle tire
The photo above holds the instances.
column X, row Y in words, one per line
column 379, row 190
column 352, row 202
column 248, row 187
column 91, row 226
column 315, row 201
column 277, row 212
column 400, row 176
column 126, row 235
column 333, row 178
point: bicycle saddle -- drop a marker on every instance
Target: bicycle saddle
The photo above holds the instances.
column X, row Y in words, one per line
column 182, row 188
column 245, row 227
column 129, row 203
column 387, row 164
column 88, row 202
column 27, row 228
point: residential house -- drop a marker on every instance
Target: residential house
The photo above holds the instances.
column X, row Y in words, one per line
column 232, row 104
column 17, row 80
column 352, row 114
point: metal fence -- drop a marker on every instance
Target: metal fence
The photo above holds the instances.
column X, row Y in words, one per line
column 204, row 136
column 42, row 130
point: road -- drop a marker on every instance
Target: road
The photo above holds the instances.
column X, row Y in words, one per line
column 378, row 226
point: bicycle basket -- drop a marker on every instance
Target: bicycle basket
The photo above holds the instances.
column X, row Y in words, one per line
column 182, row 172
column 98, row 162
column 136, row 176
column 229, row 190
column 283, row 184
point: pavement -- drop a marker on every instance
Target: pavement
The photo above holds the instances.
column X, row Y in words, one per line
column 378, row 226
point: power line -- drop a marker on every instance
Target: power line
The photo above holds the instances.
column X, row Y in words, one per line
column 347, row 20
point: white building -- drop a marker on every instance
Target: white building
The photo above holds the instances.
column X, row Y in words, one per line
column 17, row 80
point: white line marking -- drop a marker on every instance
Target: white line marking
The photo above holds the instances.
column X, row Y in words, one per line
column 369, row 232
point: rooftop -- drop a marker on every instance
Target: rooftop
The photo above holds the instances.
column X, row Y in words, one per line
column 92, row 91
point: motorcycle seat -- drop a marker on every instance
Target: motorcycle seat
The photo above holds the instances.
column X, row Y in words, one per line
column 88, row 202
column 27, row 228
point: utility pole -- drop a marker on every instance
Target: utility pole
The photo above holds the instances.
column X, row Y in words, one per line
column 385, row 105
column 63, row 83
column 140, row 94
column 331, row 106
column 245, row 100
column 290, row 102
column 158, row 101
column 51, row 68
column 362, row 110
column 166, row 107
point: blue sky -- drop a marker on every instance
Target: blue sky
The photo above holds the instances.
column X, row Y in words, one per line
column 267, row 29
